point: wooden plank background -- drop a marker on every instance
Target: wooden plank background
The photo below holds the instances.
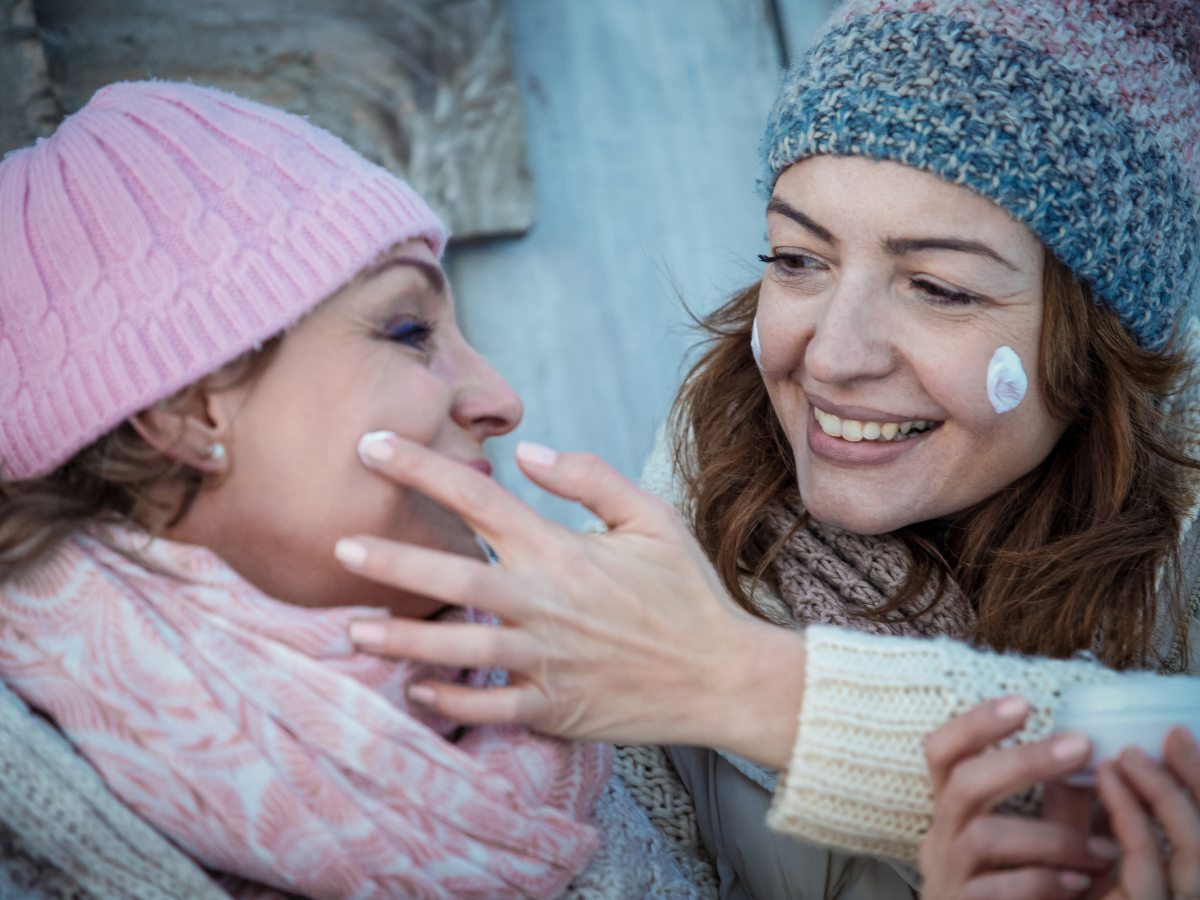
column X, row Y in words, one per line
column 644, row 119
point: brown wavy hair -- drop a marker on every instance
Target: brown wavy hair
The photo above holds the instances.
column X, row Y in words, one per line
column 115, row 480
column 1066, row 558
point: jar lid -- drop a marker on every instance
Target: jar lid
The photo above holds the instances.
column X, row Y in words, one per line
column 1139, row 694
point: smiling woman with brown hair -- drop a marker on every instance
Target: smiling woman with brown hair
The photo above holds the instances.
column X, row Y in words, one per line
column 959, row 405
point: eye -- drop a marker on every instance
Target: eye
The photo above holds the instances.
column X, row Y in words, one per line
column 409, row 331
column 947, row 296
column 791, row 263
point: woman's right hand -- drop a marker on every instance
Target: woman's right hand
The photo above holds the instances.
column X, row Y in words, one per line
column 972, row 853
column 623, row 637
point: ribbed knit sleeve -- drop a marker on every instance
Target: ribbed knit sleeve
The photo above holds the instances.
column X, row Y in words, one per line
column 858, row 780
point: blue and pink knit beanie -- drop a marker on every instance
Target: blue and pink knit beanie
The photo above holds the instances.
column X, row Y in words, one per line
column 1080, row 117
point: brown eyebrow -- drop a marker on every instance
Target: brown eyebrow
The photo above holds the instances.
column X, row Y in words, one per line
column 433, row 274
column 913, row 245
column 776, row 205
column 893, row 246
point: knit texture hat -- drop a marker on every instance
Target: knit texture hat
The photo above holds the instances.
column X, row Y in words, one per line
column 161, row 232
column 1080, row 117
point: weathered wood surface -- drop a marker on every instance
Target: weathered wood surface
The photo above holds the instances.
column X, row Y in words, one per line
column 644, row 127
column 424, row 87
column 28, row 107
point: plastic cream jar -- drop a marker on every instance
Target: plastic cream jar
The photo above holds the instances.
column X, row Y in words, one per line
column 1136, row 710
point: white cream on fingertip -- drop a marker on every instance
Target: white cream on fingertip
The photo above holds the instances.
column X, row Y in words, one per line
column 755, row 346
column 1006, row 380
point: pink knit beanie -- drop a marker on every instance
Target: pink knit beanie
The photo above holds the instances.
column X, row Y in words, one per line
column 162, row 231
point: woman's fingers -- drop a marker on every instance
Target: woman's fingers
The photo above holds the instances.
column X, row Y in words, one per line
column 1030, row 883
column 994, row 842
column 590, row 481
column 467, row 646
column 491, row 706
column 979, row 783
column 489, row 509
column 1182, row 755
column 1175, row 808
column 448, row 577
column 1142, row 873
column 971, row 733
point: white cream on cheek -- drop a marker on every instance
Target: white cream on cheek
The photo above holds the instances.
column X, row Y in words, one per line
column 755, row 346
column 1006, row 380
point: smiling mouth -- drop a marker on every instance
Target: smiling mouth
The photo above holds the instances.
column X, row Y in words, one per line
column 881, row 432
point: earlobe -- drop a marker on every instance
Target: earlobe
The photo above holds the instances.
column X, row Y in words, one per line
column 193, row 432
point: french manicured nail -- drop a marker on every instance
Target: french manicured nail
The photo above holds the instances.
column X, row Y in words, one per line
column 1069, row 747
column 368, row 633
column 1103, row 848
column 422, row 694
column 1074, row 881
column 1011, row 708
column 536, row 454
column 376, row 447
column 350, row 553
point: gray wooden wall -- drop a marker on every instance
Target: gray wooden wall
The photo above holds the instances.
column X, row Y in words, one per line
column 644, row 119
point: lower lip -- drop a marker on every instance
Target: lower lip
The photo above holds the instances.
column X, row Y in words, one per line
column 482, row 465
column 857, row 453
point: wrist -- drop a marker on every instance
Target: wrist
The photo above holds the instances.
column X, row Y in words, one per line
column 756, row 694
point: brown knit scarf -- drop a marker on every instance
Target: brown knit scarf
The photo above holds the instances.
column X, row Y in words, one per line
column 830, row 577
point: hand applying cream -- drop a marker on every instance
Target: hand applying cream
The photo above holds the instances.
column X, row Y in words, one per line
column 1006, row 380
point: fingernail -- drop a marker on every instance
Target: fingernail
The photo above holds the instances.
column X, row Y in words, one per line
column 1074, row 881
column 1136, row 756
column 536, row 454
column 1011, row 708
column 422, row 694
column 372, row 633
column 350, row 553
column 1069, row 746
column 1103, row 848
column 376, row 447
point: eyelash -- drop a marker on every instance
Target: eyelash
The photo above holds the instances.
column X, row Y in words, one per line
column 944, row 296
column 414, row 333
column 788, row 262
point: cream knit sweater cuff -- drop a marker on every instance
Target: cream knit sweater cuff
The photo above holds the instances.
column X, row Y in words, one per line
column 858, row 780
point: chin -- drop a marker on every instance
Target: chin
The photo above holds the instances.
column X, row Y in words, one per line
column 856, row 521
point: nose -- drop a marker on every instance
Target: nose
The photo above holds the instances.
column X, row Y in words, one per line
column 850, row 340
column 484, row 404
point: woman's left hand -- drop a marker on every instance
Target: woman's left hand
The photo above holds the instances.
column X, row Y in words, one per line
column 971, row 852
column 1135, row 789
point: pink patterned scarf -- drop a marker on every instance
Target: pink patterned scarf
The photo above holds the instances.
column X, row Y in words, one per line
column 254, row 735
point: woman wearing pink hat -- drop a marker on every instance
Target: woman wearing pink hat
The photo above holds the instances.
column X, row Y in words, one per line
column 202, row 302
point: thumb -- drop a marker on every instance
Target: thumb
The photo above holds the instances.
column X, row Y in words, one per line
column 590, row 481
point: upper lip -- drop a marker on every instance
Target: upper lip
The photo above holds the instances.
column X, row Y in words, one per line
column 863, row 413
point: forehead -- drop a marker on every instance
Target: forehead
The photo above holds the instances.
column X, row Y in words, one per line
column 888, row 195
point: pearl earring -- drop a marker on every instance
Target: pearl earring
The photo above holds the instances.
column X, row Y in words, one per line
column 216, row 451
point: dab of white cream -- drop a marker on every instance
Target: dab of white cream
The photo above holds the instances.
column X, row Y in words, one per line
column 755, row 346
column 1006, row 380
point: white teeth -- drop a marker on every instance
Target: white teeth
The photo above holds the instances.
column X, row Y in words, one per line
column 855, row 431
